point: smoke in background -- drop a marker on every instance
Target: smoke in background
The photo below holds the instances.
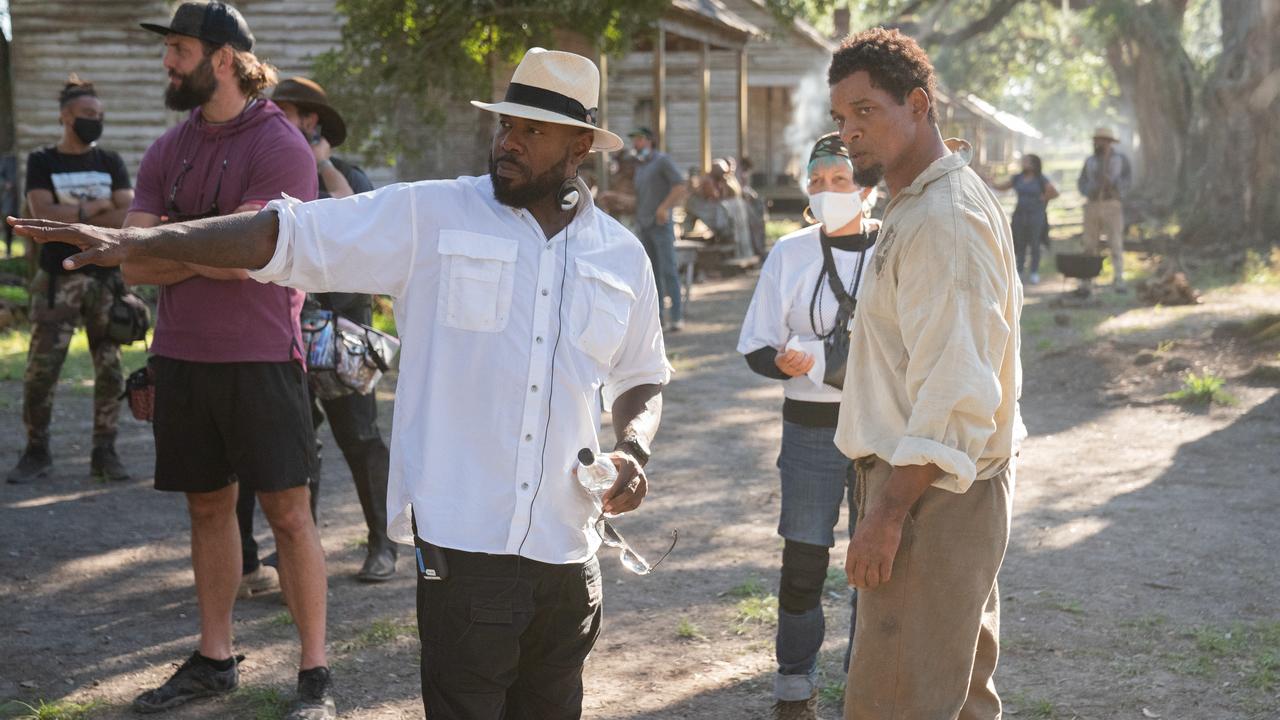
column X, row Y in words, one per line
column 810, row 119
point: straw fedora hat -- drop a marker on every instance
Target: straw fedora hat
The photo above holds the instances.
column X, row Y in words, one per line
column 1105, row 133
column 556, row 87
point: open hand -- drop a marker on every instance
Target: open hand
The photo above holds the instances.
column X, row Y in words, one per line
column 869, row 560
column 629, row 489
column 794, row 362
column 98, row 245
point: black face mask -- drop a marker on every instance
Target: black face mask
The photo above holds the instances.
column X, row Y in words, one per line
column 88, row 130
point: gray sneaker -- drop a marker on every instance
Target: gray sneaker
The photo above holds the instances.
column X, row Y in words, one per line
column 315, row 696
column 195, row 679
column 33, row 465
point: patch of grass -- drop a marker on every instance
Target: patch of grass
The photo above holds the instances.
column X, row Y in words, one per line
column 264, row 703
column 1165, row 346
column 686, row 630
column 59, row 710
column 1044, row 345
column 832, row 693
column 756, row 610
column 77, row 370
column 1066, row 605
column 15, row 294
column 381, row 632
column 751, row 587
column 1042, row 708
column 281, row 619
column 1259, row 270
column 1202, row 389
column 837, row 581
column 774, row 229
column 359, row 543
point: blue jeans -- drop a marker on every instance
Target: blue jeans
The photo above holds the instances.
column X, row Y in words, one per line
column 816, row 478
column 1028, row 233
column 660, row 243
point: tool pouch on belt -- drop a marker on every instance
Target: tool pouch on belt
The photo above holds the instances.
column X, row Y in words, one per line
column 140, row 392
column 128, row 318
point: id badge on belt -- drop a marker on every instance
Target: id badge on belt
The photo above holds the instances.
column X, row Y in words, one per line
column 432, row 563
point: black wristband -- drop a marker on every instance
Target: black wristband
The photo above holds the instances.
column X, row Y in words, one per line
column 632, row 447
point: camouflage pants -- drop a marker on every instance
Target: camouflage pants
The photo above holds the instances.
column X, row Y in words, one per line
column 77, row 298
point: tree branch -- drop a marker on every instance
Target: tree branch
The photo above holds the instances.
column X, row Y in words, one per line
column 999, row 10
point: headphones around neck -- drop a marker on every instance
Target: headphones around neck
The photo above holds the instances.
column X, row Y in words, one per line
column 568, row 196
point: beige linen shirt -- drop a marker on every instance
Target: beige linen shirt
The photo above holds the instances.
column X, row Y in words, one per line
column 934, row 371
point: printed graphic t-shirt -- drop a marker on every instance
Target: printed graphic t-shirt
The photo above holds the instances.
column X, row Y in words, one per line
column 74, row 179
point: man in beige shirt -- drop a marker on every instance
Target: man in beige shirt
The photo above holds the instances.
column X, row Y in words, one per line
column 933, row 421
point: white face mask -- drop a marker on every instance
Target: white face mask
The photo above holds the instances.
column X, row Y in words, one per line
column 835, row 210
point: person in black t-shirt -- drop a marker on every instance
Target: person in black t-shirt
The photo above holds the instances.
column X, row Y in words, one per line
column 73, row 181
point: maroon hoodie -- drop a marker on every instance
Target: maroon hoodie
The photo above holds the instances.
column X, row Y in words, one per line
column 252, row 159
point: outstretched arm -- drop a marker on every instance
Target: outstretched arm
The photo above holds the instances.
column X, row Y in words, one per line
column 243, row 240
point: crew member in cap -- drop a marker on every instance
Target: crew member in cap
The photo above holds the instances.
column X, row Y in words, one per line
column 353, row 418
column 1104, row 181
column 525, row 303
column 231, row 412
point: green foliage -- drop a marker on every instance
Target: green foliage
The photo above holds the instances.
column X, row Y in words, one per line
column 77, row 371
column 1202, row 389
column 59, row 710
column 756, row 610
column 687, row 630
column 264, row 703
column 837, row 581
column 402, row 62
column 751, row 587
column 15, row 294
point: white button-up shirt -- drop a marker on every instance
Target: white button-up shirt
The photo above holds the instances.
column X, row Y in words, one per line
column 505, row 351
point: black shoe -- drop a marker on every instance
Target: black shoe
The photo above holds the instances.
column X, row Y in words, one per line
column 104, row 464
column 33, row 465
column 315, row 696
column 195, row 679
column 379, row 564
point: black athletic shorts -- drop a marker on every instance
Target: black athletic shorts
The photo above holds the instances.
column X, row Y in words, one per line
column 216, row 423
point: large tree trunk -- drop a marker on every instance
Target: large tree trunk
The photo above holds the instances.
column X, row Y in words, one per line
column 1157, row 79
column 1234, row 164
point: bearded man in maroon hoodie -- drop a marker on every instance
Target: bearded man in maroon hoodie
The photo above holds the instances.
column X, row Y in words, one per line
column 231, row 406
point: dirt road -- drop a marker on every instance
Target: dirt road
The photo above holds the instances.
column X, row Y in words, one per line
column 1141, row 579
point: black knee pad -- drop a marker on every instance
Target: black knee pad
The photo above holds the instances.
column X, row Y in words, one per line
column 804, row 572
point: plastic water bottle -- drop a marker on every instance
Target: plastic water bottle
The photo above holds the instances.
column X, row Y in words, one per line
column 597, row 475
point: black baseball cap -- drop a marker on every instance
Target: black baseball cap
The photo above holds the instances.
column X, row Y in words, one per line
column 214, row 22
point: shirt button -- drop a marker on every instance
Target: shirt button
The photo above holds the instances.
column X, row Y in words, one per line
column 533, row 389
column 548, row 246
column 545, row 292
column 527, row 438
column 538, row 340
column 524, row 486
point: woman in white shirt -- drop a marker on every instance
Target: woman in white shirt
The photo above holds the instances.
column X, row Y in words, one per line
column 795, row 313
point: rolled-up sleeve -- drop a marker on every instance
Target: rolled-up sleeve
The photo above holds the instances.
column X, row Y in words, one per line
column 642, row 357
column 363, row 243
column 955, row 333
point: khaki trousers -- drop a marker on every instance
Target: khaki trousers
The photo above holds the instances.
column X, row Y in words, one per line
column 1106, row 218
column 926, row 643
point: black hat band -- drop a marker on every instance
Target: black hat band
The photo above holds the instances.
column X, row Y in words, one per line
column 549, row 100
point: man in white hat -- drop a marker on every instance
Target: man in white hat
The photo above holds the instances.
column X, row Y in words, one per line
column 1104, row 181
column 519, row 302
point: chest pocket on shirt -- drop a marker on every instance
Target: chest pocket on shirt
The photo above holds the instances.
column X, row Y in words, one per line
column 601, row 305
column 477, row 275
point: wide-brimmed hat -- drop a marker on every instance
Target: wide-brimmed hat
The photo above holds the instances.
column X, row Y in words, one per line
column 1105, row 133
column 556, row 87
column 310, row 97
column 213, row 22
